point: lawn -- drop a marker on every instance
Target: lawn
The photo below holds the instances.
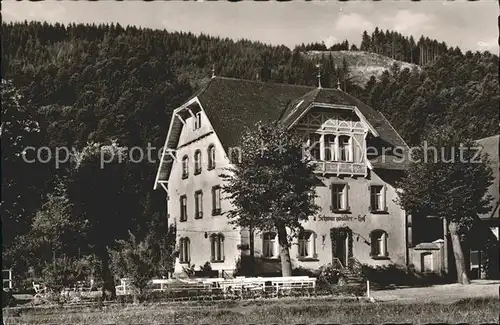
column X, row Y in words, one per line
column 283, row 311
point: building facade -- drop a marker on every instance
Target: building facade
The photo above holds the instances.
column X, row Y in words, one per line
column 359, row 157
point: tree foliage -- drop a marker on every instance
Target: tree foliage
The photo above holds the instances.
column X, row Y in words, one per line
column 449, row 182
column 134, row 260
column 273, row 188
column 447, row 179
column 23, row 183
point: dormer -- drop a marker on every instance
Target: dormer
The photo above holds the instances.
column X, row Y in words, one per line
column 334, row 131
column 195, row 123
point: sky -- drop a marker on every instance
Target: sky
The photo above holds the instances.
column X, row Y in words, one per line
column 468, row 25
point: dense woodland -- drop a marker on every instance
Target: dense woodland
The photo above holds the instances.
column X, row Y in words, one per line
column 83, row 84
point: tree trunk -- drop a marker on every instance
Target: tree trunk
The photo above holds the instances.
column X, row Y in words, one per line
column 252, row 252
column 286, row 263
column 462, row 277
column 108, row 285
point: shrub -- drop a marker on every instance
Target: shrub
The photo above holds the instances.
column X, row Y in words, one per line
column 394, row 274
column 302, row 271
column 244, row 266
column 189, row 270
column 135, row 261
column 62, row 273
column 328, row 275
column 206, row 267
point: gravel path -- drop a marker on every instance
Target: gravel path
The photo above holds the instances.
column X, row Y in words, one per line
column 446, row 293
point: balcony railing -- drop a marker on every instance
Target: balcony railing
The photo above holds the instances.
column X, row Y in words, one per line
column 341, row 168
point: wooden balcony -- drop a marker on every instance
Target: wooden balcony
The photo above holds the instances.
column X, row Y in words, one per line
column 341, row 168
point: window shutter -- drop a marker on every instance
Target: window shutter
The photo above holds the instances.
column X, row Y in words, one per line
column 385, row 198
column 347, row 188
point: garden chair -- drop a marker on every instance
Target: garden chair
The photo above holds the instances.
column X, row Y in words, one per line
column 39, row 290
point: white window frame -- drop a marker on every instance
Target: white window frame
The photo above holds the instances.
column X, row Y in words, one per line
column 378, row 239
column 380, row 200
column 183, row 208
column 216, row 200
column 197, row 162
column 331, row 148
column 198, row 204
column 270, row 244
column 217, row 248
column 335, row 149
column 185, row 167
column 211, row 157
column 311, row 143
column 307, row 247
column 197, row 121
column 184, row 250
column 344, row 200
column 347, row 148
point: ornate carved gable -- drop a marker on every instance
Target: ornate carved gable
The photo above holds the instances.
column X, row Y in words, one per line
column 332, row 120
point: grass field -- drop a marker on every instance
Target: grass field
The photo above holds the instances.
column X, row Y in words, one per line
column 283, row 311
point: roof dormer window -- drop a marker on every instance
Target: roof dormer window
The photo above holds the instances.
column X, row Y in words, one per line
column 197, row 121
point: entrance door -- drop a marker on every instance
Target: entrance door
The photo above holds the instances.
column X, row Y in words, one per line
column 340, row 245
column 475, row 264
column 427, row 263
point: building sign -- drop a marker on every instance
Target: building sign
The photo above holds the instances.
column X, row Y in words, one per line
column 344, row 217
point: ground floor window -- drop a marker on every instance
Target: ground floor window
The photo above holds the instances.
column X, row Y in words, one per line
column 379, row 243
column 269, row 245
column 184, row 250
column 307, row 244
column 217, row 247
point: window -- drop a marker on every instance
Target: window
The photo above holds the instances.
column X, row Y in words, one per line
column 345, row 152
column 211, row 157
column 339, row 197
column 307, row 244
column 197, row 162
column 197, row 121
column 269, row 245
column 330, row 148
column 184, row 250
column 217, row 247
column 183, row 206
column 377, row 198
column 216, row 200
column 379, row 243
column 198, row 204
column 185, row 167
column 315, row 146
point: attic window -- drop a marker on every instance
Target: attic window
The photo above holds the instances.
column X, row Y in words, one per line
column 197, row 121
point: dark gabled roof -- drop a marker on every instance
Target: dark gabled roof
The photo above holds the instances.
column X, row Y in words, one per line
column 318, row 95
column 232, row 105
column 337, row 97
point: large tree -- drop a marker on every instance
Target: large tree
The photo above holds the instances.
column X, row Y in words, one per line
column 102, row 192
column 446, row 179
column 273, row 186
column 24, row 177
